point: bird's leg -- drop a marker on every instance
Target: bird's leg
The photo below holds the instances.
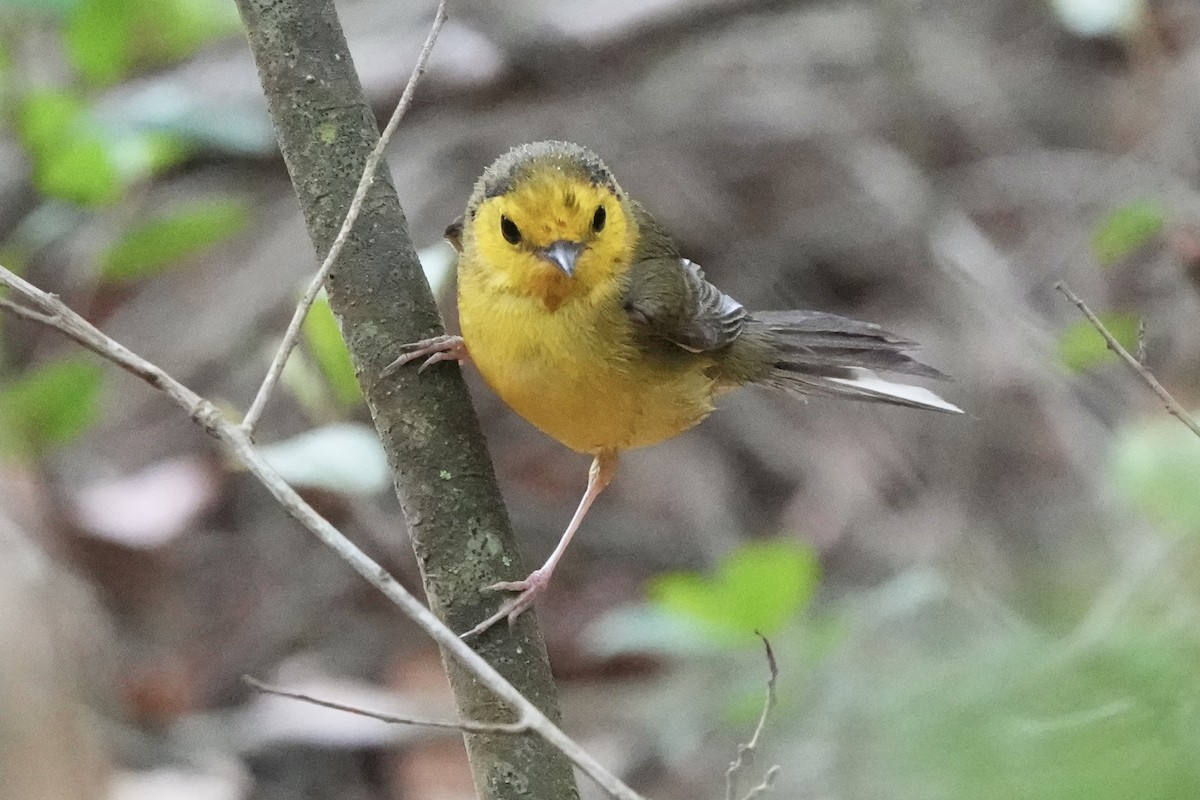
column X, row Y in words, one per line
column 439, row 348
column 604, row 466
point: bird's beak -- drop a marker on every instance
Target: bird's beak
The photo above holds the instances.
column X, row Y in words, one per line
column 563, row 254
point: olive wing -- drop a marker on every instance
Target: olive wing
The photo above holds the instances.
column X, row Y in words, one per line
column 668, row 298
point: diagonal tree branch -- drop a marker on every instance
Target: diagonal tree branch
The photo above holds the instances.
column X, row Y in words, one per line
column 25, row 313
column 467, row 725
column 292, row 335
column 440, row 465
column 1173, row 406
column 235, row 439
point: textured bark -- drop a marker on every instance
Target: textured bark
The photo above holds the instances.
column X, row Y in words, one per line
column 441, row 468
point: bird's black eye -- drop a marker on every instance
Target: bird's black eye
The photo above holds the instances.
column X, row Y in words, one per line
column 510, row 230
column 599, row 220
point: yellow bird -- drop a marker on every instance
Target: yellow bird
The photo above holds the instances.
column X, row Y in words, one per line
column 580, row 312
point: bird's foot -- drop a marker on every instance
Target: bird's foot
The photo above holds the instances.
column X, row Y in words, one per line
column 435, row 350
column 528, row 591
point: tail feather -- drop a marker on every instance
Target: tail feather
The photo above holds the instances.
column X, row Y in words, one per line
column 825, row 354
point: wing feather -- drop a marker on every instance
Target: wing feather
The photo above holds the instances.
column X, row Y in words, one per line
column 669, row 299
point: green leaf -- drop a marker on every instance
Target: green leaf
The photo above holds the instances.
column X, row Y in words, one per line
column 81, row 172
column 108, row 39
column 1125, row 230
column 1157, row 465
column 47, row 407
column 76, row 158
column 324, row 340
column 70, row 159
column 759, row 587
column 189, row 229
column 97, row 37
column 45, row 118
column 1081, row 346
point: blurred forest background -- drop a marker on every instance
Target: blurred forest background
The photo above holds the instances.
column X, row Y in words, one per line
column 999, row 606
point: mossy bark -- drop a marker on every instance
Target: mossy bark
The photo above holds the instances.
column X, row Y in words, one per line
column 442, row 472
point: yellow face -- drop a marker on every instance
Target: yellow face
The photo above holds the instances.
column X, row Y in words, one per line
column 552, row 235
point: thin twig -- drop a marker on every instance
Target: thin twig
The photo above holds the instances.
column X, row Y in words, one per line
column 745, row 752
column 469, row 727
column 1173, row 406
column 767, row 784
column 292, row 335
column 235, row 438
column 26, row 313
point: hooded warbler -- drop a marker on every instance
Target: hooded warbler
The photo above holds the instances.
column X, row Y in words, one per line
column 581, row 313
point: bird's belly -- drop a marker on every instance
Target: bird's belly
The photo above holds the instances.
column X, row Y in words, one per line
column 599, row 412
column 582, row 383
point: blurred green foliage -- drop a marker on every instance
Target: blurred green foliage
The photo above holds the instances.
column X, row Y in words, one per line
column 1114, row 724
column 759, row 587
column 324, row 340
column 76, row 159
column 48, row 406
column 1126, row 230
column 1099, row 703
column 70, row 161
column 987, row 712
column 92, row 162
column 1081, row 346
column 151, row 246
column 1157, row 464
column 107, row 40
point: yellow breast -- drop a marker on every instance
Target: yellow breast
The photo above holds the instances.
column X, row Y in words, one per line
column 575, row 371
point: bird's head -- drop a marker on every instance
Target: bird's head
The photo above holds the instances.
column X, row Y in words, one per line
column 549, row 220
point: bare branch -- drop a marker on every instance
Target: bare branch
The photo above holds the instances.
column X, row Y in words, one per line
column 24, row 312
column 1173, row 407
column 767, row 785
column 56, row 314
column 292, row 335
column 468, row 726
column 235, row 438
column 745, row 753
column 1140, row 355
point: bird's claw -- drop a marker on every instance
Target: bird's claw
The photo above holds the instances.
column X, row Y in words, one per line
column 433, row 350
column 528, row 591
